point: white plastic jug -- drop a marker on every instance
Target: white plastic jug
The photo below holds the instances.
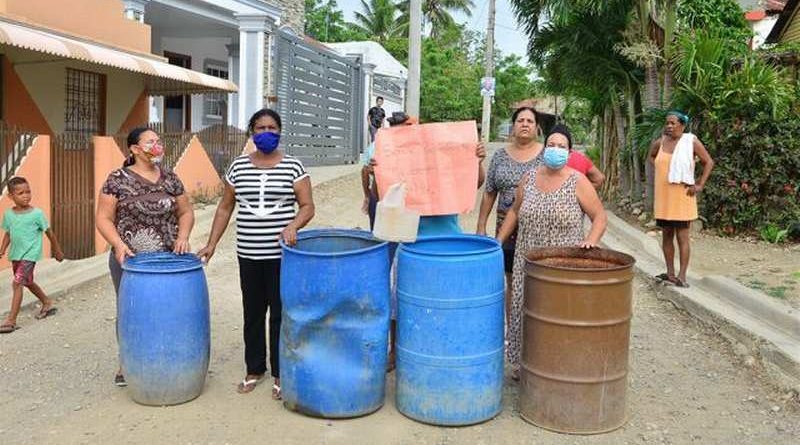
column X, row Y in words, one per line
column 393, row 221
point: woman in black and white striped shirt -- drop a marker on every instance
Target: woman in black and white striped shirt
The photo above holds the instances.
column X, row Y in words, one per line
column 266, row 184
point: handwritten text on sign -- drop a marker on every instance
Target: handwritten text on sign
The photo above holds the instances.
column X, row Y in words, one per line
column 437, row 162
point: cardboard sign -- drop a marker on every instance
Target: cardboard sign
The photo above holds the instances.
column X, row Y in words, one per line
column 437, row 163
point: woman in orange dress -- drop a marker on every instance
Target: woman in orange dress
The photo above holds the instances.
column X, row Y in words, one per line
column 675, row 203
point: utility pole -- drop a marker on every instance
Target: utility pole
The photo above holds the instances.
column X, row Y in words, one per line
column 414, row 57
column 486, row 121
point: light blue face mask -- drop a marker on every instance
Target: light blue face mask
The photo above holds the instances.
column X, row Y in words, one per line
column 555, row 157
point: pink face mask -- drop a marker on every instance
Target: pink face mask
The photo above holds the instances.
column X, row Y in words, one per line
column 154, row 151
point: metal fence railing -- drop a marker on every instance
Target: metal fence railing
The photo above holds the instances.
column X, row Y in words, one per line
column 14, row 145
column 223, row 143
column 72, row 192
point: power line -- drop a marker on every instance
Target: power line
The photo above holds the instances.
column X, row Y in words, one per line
column 477, row 18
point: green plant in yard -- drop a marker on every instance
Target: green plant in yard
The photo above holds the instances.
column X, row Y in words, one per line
column 773, row 234
column 205, row 196
column 777, row 292
column 756, row 174
column 594, row 154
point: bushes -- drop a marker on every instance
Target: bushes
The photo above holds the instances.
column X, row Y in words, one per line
column 757, row 175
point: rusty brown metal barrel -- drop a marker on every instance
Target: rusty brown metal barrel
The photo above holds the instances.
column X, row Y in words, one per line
column 576, row 331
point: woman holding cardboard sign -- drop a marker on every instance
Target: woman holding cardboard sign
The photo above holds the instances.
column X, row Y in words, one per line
column 549, row 207
column 431, row 225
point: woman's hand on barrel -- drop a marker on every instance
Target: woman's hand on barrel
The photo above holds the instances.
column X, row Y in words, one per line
column 182, row 246
column 589, row 244
column 289, row 235
column 206, row 253
column 122, row 251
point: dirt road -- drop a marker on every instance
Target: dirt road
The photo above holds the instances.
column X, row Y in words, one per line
column 686, row 385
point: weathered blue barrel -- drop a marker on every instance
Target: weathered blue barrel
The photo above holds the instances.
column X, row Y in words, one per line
column 450, row 330
column 164, row 331
column 335, row 325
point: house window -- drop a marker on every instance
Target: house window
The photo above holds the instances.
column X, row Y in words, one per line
column 85, row 102
column 215, row 105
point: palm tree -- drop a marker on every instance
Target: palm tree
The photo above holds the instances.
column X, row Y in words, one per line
column 436, row 14
column 379, row 19
column 577, row 53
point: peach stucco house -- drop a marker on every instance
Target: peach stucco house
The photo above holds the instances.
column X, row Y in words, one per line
column 71, row 84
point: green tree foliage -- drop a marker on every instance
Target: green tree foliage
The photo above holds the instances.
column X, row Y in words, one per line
column 631, row 60
column 436, row 14
column 449, row 88
column 514, row 84
column 379, row 20
column 723, row 17
column 325, row 22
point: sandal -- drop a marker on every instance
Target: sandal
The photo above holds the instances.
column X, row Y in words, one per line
column 248, row 385
column 8, row 328
column 44, row 313
column 119, row 380
column 276, row 392
column 680, row 283
column 662, row 277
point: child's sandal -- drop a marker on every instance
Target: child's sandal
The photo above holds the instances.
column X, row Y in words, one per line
column 46, row 313
column 276, row 392
column 8, row 328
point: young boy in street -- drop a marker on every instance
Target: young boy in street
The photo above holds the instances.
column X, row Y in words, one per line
column 24, row 225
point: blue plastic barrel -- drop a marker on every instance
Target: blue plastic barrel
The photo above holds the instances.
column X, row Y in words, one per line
column 335, row 325
column 164, row 332
column 450, row 330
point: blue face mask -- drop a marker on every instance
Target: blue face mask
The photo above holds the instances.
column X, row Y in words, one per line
column 267, row 141
column 555, row 157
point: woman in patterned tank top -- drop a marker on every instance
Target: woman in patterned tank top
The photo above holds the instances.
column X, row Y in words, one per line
column 550, row 203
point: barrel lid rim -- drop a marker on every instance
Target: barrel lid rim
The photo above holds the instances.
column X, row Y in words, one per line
column 618, row 267
column 189, row 261
column 331, row 232
column 485, row 239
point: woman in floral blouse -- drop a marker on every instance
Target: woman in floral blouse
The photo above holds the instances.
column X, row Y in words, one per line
column 142, row 208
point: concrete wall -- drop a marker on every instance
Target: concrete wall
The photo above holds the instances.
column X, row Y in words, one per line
column 107, row 158
column 197, row 172
column 44, row 82
column 35, row 167
column 99, row 20
column 761, row 30
column 19, row 108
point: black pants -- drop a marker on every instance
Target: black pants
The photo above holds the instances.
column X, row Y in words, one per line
column 261, row 292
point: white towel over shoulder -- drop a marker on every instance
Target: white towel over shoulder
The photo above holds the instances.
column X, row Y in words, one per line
column 681, row 167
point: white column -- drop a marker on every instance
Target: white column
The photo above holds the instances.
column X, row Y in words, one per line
column 233, row 75
column 252, row 43
column 134, row 9
column 369, row 75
